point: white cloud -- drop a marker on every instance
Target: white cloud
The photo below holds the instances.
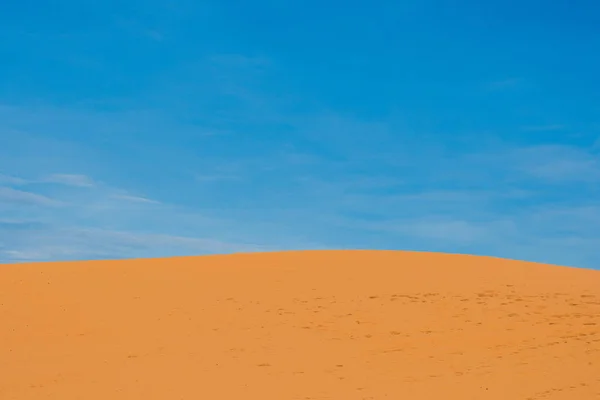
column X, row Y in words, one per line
column 439, row 230
column 104, row 222
column 239, row 61
column 430, row 192
column 504, row 83
column 134, row 199
column 557, row 163
column 563, row 170
column 596, row 145
column 88, row 243
column 448, row 230
column 543, row 128
column 11, row 180
column 216, row 178
column 70, row 180
column 14, row 196
column 547, row 163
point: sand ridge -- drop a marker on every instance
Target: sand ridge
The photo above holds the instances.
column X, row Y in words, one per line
column 300, row 325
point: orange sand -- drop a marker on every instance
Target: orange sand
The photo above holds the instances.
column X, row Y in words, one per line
column 344, row 325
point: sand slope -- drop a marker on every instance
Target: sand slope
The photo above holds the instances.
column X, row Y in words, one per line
column 300, row 325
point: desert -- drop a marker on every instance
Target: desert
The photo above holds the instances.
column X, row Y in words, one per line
column 348, row 325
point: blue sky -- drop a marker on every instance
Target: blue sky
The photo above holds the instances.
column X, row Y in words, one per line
column 146, row 129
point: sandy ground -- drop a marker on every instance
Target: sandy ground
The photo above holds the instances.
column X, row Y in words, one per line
column 300, row 325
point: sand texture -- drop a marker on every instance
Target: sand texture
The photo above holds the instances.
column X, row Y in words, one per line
column 346, row 325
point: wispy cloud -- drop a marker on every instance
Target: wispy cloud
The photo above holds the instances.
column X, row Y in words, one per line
column 15, row 224
column 134, row 199
column 447, row 230
column 543, row 128
column 70, row 180
column 78, row 181
column 558, row 163
column 11, row 180
column 139, row 28
column 216, row 178
column 54, row 243
column 504, row 83
column 15, row 196
column 240, row 61
column 324, row 180
column 101, row 222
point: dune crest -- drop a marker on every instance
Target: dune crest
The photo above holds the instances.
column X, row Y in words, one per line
column 349, row 325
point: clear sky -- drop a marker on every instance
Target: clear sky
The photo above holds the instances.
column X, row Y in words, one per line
column 156, row 128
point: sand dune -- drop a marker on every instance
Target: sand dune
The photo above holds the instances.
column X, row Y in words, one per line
column 300, row 325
